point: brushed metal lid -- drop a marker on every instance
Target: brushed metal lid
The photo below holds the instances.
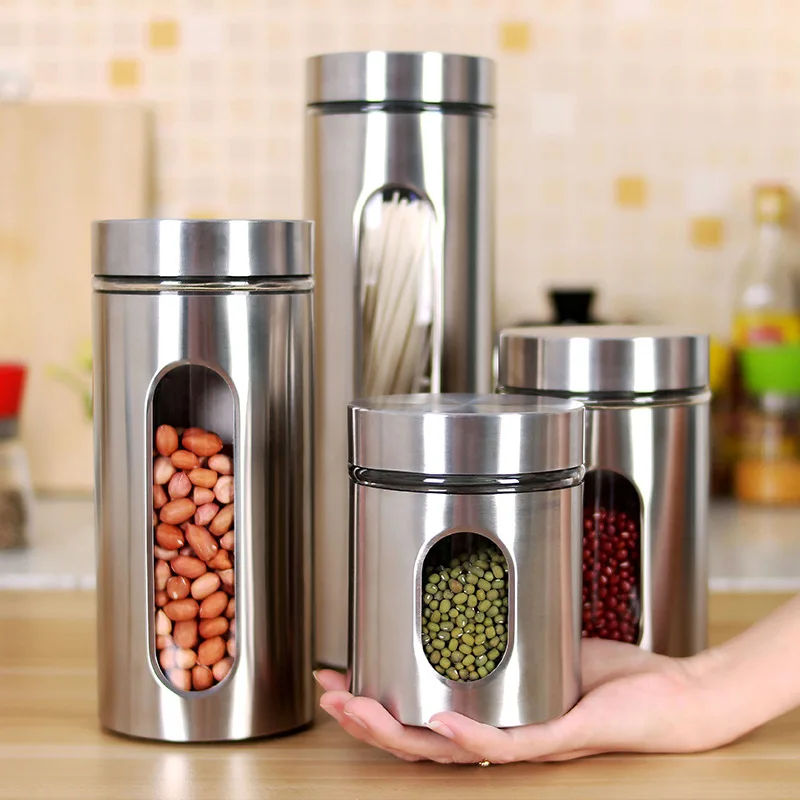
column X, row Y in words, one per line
column 589, row 359
column 378, row 76
column 176, row 248
column 465, row 434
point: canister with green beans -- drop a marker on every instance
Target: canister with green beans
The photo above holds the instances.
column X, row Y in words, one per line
column 465, row 555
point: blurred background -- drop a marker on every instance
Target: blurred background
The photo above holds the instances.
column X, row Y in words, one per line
column 632, row 136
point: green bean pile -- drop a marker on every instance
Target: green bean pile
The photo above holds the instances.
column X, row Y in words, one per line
column 464, row 629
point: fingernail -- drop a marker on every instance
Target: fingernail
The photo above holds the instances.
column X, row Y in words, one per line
column 356, row 719
column 334, row 712
column 316, row 678
column 440, row 728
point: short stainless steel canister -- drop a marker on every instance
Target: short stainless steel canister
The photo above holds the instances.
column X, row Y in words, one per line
column 647, row 460
column 400, row 181
column 203, row 324
column 432, row 474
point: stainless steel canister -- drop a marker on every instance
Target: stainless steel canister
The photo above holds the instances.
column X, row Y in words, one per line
column 203, row 456
column 645, row 574
column 466, row 557
column 400, row 183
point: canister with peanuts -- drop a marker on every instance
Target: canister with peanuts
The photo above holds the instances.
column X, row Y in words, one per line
column 203, row 457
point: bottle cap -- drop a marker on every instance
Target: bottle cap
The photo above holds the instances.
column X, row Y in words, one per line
column 12, row 384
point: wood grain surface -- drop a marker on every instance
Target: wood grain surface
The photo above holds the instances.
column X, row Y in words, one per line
column 51, row 746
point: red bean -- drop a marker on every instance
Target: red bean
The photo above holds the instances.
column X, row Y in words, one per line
column 610, row 591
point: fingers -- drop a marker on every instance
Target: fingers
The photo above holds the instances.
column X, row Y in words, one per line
column 559, row 739
column 330, row 680
column 390, row 735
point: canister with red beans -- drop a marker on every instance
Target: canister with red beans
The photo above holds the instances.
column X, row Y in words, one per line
column 645, row 390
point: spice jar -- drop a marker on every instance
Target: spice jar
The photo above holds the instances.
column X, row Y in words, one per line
column 465, row 555
column 16, row 490
column 203, row 431
column 647, row 482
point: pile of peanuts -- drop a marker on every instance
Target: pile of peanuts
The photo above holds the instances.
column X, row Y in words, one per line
column 195, row 618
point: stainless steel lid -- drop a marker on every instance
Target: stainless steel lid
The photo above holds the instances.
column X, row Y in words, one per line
column 464, row 434
column 589, row 359
column 175, row 248
column 377, row 76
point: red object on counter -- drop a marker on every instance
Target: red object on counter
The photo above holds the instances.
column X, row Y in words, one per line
column 12, row 385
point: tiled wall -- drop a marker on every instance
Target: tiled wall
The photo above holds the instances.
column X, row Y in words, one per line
column 630, row 132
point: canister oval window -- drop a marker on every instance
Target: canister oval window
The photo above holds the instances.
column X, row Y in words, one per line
column 612, row 575
column 193, row 537
column 465, row 601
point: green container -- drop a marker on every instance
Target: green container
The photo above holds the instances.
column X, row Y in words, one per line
column 771, row 369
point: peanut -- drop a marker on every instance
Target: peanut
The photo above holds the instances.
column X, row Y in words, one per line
column 202, row 496
column 181, row 610
column 188, row 567
column 163, row 624
column 223, row 521
column 169, row 537
column 185, row 659
column 180, row 678
column 223, row 490
column 159, row 496
column 210, row 651
column 202, row 542
column 178, row 587
column 163, row 470
column 179, row 486
column 205, row 514
column 221, row 560
column 202, row 678
column 209, row 628
column 201, row 443
column 221, row 669
column 221, row 463
column 167, row 658
column 185, row 633
column 204, row 478
column 205, row 585
column 177, row 511
column 213, row 605
column 166, row 440
column 161, row 574
column 193, row 542
column 183, row 459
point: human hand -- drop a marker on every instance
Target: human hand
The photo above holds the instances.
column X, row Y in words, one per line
column 633, row 701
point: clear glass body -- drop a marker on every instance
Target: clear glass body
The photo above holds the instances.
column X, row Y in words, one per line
column 16, row 494
column 465, row 606
column 193, row 515
column 612, row 573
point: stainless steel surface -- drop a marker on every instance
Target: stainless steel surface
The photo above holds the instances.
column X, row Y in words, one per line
column 659, row 443
column 539, row 676
column 378, row 76
column 585, row 359
column 466, row 434
column 260, row 343
column 202, row 248
column 446, row 158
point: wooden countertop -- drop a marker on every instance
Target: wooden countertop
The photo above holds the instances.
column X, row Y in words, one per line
column 51, row 746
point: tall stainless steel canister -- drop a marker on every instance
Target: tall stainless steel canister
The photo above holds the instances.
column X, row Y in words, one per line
column 400, row 183
column 466, row 541
column 203, row 418
column 645, row 574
